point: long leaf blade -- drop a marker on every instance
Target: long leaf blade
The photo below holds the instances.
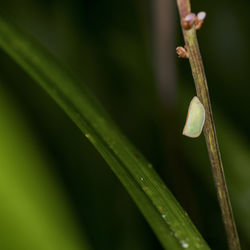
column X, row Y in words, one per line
column 34, row 212
column 166, row 217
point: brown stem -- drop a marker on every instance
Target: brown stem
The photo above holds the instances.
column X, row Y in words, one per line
column 209, row 127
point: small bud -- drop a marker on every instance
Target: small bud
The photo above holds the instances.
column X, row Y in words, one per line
column 190, row 17
column 188, row 21
column 200, row 19
column 201, row 15
column 182, row 52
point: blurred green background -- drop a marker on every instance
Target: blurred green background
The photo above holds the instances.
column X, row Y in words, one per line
column 56, row 192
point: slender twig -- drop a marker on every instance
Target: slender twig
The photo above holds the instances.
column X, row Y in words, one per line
column 209, row 127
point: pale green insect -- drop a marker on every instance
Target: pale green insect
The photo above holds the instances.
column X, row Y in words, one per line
column 195, row 119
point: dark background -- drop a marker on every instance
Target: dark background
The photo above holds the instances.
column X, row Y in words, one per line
column 111, row 47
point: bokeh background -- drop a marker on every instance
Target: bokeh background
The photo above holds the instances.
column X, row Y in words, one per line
column 56, row 192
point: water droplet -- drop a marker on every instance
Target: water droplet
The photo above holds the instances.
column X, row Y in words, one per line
column 163, row 216
column 184, row 244
column 142, row 179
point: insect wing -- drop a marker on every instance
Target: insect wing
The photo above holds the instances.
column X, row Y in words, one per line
column 195, row 119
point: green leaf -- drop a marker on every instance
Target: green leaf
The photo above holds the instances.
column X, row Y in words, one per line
column 34, row 212
column 166, row 217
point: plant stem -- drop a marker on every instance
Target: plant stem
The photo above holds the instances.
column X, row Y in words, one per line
column 209, row 127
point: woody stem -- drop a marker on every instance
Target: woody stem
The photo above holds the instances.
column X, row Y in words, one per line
column 209, row 127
